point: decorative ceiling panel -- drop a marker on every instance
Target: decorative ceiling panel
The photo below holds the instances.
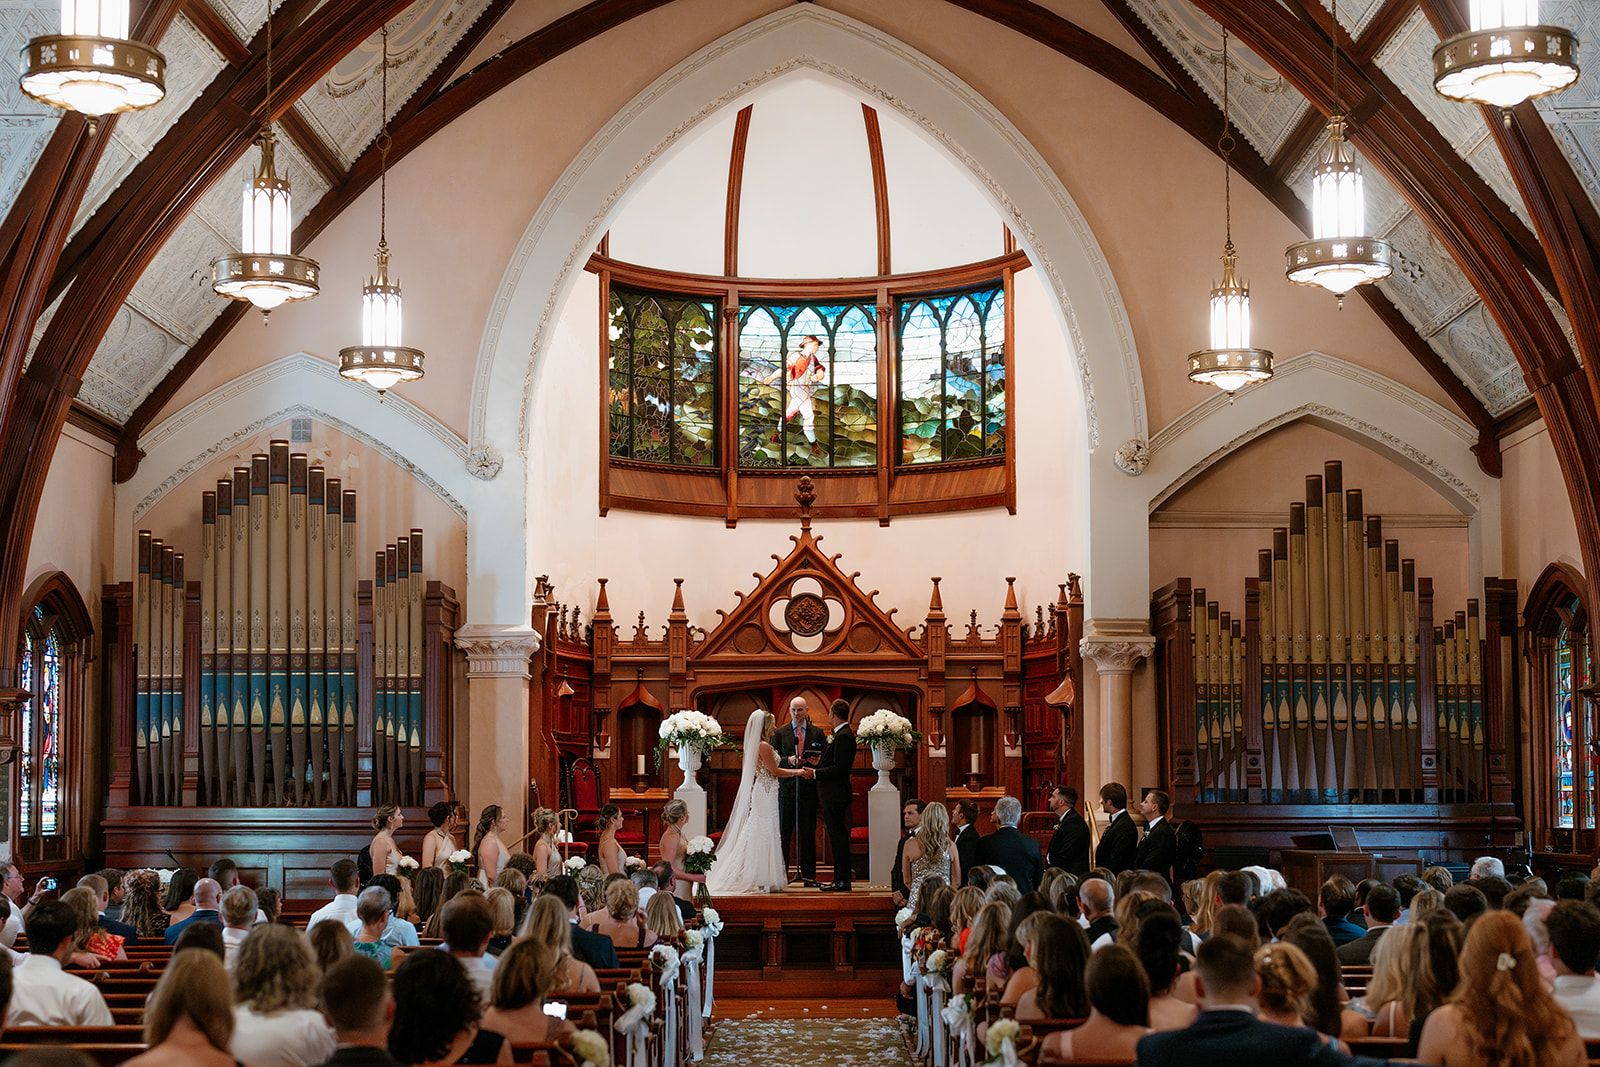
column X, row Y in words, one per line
column 1477, row 351
column 25, row 125
column 1577, row 131
column 175, row 293
column 1426, row 286
column 244, row 17
column 1265, row 108
column 133, row 355
column 1355, row 16
column 192, row 63
column 345, row 107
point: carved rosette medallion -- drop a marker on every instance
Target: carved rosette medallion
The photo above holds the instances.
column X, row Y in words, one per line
column 807, row 615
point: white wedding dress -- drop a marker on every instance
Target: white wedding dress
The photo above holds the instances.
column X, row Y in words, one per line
column 750, row 855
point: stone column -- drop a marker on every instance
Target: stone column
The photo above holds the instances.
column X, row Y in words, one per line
column 1115, row 647
column 496, row 727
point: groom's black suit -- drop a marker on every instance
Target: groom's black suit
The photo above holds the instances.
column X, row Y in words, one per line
column 787, row 744
column 835, row 794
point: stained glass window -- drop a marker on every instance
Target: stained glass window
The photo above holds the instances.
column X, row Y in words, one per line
column 953, row 376
column 662, row 378
column 27, row 763
column 1565, row 727
column 808, row 385
column 39, row 769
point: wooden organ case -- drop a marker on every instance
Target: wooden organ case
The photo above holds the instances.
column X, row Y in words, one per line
column 1341, row 693
column 994, row 704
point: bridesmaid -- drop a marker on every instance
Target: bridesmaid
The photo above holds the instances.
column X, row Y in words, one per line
column 613, row 857
column 674, row 847
column 441, row 840
column 546, row 858
column 385, row 853
column 487, row 846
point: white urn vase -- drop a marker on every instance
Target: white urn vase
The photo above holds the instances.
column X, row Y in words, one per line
column 688, row 761
column 883, row 763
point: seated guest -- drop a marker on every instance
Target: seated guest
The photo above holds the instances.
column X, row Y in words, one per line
column 177, row 899
column 963, row 909
column 468, row 923
column 373, row 912
column 1408, row 886
column 1326, row 1012
column 397, row 932
column 97, row 884
column 355, row 998
column 90, row 938
column 1494, row 889
column 225, row 873
column 647, row 885
column 1059, row 955
column 330, row 943
column 1286, row 980
column 1572, row 886
column 117, row 892
column 1158, row 947
column 621, row 921
column 1011, row 958
column 238, row 916
column 455, row 883
column 1024, row 977
column 1118, row 995
column 207, row 895
column 524, row 977
column 1487, row 867
column 667, row 882
column 1465, row 901
column 1574, row 931
column 44, row 995
column 1335, row 900
column 436, row 1014
column 206, row 936
column 1425, row 901
column 275, row 1017
column 594, row 949
column 987, row 938
column 1228, row 1032
column 269, row 903
column 1391, row 975
column 188, row 1021
column 345, row 878
column 505, row 918
column 1380, row 910
column 1234, row 920
column 1439, row 878
column 1010, row 849
column 1097, row 899
column 662, row 919
column 547, row 924
column 1500, row 1013
column 427, row 886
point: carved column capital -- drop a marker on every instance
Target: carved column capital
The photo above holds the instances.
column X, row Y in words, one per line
column 497, row 652
column 1116, row 650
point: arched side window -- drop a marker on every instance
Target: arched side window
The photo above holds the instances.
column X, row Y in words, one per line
column 57, row 644
column 1561, row 717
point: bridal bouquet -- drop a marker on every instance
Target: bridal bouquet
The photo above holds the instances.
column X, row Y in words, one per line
column 632, row 863
column 690, row 729
column 459, row 859
column 887, row 729
column 700, row 854
column 407, row 867
column 575, row 864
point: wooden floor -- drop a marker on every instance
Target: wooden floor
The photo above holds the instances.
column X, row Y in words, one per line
column 779, row 1007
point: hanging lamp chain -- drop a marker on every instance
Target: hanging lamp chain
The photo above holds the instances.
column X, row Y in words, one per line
column 266, row 119
column 1337, row 109
column 384, row 142
column 1225, row 145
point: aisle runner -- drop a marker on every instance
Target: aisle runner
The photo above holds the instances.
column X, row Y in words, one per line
column 807, row 1043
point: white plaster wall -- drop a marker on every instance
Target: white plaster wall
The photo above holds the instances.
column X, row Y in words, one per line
column 1539, row 527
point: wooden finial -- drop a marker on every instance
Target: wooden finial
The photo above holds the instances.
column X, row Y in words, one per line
column 805, row 494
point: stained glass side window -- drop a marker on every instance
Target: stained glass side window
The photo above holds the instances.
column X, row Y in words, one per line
column 662, row 378
column 953, row 375
column 1565, row 728
column 27, row 764
column 49, row 746
column 808, row 385
column 39, row 756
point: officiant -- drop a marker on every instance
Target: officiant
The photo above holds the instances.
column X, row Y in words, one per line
column 798, row 743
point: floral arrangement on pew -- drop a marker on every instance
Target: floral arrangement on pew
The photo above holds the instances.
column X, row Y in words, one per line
column 407, row 867
column 634, row 1022
column 690, row 729
column 590, row 1049
column 700, row 854
column 459, row 859
column 1001, row 1042
column 885, row 729
column 925, row 941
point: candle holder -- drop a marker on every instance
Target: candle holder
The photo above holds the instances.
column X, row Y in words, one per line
column 974, row 781
column 641, row 782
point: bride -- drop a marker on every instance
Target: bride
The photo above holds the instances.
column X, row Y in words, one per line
column 750, row 856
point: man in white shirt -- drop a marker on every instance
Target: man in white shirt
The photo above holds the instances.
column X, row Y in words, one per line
column 345, row 878
column 1574, row 929
column 238, row 916
column 11, row 886
column 467, row 925
column 399, row 933
column 44, row 995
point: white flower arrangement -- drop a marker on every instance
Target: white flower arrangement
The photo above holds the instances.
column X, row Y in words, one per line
column 710, row 921
column 1001, row 1031
column 632, row 863
column 690, row 729
column 575, row 864
column 693, row 939
column 459, row 859
column 407, row 866
column 665, row 957
column 641, row 996
column 591, row 1048
column 938, row 962
column 887, row 729
column 904, row 915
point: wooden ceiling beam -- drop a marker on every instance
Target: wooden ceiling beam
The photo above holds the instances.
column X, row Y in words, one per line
column 205, row 18
column 298, row 130
column 1384, row 25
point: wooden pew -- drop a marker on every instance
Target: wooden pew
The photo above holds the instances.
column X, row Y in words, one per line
column 102, row 1055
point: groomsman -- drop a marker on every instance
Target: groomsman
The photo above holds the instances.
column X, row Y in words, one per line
column 1069, row 842
column 835, row 792
column 1160, row 845
column 797, row 743
column 965, row 821
column 1120, row 842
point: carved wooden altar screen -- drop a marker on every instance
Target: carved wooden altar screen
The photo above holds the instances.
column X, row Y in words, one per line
column 1000, row 692
column 1339, row 692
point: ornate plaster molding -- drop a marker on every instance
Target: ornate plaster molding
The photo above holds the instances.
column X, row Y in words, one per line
column 1116, row 654
column 495, row 653
column 1132, row 457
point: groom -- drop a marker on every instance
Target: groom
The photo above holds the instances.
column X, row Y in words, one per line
column 799, row 744
column 833, row 791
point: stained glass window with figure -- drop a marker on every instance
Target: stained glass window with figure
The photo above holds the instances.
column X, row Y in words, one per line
column 953, row 376
column 662, row 378
column 808, row 385
column 1565, row 728
column 39, row 756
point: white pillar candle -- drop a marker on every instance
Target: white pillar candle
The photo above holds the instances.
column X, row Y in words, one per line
column 640, row 764
column 974, row 763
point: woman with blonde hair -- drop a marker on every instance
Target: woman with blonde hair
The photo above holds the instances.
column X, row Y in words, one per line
column 504, row 907
column 546, row 924
column 522, row 980
column 188, row 1021
column 90, row 938
column 1425, row 901
column 141, row 906
column 385, row 853
column 546, row 857
column 1287, row 980
column 662, row 919
column 621, row 921
column 674, row 847
column 930, row 853
column 1501, row 1014
column 1059, row 953
column 969, row 899
column 487, row 846
column 991, row 932
column 1399, row 959
column 613, row 857
column 330, row 943
column 275, row 1018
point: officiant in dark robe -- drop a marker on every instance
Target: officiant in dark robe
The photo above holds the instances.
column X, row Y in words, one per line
column 798, row 743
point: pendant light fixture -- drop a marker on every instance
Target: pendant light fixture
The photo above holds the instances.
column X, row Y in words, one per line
column 1506, row 58
column 1341, row 256
column 91, row 66
column 1230, row 362
column 381, row 360
column 264, row 271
